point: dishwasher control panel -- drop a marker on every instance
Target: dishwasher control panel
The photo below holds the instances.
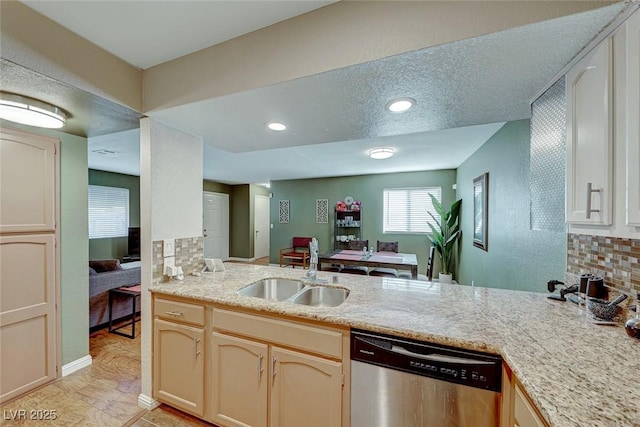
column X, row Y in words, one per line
column 467, row 367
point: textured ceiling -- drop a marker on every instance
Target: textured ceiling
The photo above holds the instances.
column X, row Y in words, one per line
column 482, row 80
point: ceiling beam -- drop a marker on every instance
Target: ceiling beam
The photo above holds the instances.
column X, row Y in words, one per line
column 336, row 36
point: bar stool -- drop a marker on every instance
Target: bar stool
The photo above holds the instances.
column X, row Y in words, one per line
column 132, row 292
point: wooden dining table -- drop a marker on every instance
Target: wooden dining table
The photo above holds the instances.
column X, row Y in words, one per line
column 377, row 259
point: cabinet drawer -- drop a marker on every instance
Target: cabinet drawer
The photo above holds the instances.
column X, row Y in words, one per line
column 313, row 339
column 179, row 311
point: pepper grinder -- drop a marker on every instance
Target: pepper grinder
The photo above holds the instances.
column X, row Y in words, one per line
column 633, row 325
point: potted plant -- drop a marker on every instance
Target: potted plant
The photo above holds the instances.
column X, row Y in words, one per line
column 445, row 234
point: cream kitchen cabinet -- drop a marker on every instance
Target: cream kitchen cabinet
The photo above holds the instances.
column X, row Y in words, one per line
column 257, row 382
column 524, row 413
column 517, row 408
column 236, row 368
column 631, row 31
column 306, row 390
column 589, row 87
column 178, row 355
column 240, row 381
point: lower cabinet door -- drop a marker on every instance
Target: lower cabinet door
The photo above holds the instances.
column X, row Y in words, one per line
column 306, row 390
column 523, row 413
column 240, row 381
column 178, row 365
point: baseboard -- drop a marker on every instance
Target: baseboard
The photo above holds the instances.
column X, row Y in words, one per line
column 241, row 259
column 147, row 402
column 71, row 367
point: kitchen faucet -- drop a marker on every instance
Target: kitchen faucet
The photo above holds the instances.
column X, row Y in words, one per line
column 312, row 273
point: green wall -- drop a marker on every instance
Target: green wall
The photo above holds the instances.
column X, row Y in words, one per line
column 241, row 214
column 518, row 257
column 116, row 247
column 216, row 187
column 302, row 195
column 74, row 237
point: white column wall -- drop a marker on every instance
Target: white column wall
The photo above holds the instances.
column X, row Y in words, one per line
column 170, row 208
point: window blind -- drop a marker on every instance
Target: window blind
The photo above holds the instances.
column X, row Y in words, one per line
column 406, row 209
column 108, row 212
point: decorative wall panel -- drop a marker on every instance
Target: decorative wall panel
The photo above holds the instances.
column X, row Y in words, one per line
column 322, row 211
column 548, row 159
column 283, row 212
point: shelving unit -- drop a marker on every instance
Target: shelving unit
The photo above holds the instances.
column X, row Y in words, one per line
column 346, row 223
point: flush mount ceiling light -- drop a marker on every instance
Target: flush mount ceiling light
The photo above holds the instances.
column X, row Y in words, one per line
column 401, row 105
column 28, row 111
column 381, row 153
column 278, row 127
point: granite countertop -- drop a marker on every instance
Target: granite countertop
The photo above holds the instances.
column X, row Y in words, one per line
column 577, row 373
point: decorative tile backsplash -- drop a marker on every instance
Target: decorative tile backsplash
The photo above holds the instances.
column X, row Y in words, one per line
column 189, row 256
column 615, row 259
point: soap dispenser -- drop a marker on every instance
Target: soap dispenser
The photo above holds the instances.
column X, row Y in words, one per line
column 633, row 325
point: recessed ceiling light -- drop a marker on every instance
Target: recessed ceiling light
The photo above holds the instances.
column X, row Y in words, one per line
column 276, row 126
column 27, row 111
column 381, row 153
column 400, row 105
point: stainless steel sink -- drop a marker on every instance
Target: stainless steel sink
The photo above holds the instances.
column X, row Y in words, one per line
column 321, row 296
column 272, row 289
column 295, row 291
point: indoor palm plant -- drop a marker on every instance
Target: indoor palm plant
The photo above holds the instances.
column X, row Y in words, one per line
column 444, row 234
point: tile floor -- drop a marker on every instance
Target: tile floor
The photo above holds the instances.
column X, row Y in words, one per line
column 104, row 394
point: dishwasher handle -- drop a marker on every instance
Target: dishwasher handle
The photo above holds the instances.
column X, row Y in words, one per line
column 438, row 357
column 390, row 346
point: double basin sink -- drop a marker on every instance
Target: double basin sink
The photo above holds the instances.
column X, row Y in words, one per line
column 295, row 291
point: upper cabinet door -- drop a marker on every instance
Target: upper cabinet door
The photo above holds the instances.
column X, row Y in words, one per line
column 27, row 182
column 590, row 138
column 632, row 51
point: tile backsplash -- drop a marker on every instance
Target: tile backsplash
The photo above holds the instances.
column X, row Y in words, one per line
column 189, row 256
column 615, row 259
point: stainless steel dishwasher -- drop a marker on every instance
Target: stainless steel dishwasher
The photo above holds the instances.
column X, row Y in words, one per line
column 397, row 382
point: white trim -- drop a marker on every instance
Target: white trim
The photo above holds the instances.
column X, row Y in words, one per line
column 147, row 402
column 77, row 364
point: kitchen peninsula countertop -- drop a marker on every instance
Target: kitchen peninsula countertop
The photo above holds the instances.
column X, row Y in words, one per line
column 577, row 373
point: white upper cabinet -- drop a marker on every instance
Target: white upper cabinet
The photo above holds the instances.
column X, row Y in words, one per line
column 632, row 79
column 589, row 86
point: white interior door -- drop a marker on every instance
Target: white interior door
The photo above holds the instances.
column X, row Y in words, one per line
column 216, row 225
column 261, row 226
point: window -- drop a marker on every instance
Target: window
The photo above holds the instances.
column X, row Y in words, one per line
column 108, row 212
column 406, row 209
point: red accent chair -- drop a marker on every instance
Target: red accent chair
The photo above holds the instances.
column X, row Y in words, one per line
column 297, row 253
